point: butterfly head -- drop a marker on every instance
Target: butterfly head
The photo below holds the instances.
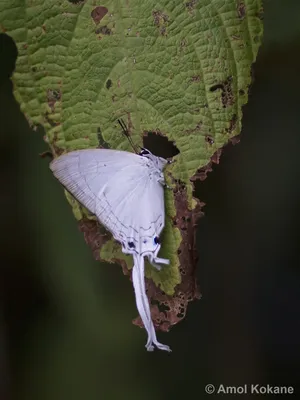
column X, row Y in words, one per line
column 159, row 162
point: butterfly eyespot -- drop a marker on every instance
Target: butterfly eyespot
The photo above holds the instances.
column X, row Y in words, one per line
column 156, row 240
column 131, row 245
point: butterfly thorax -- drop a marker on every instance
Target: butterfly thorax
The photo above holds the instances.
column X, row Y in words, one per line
column 155, row 164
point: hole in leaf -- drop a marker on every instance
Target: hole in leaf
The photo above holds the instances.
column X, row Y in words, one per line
column 227, row 95
column 108, row 84
column 159, row 145
column 209, row 140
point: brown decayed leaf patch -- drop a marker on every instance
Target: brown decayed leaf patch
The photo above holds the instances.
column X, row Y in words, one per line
column 241, row 9
column 160, row 20
column 98, row 13
column 104, row 30
column 95, row 235
column 52, row 97
column 167, row 311
column 201, row 173
column 227, row 95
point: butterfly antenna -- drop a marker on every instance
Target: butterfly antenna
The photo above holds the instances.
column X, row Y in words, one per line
column 126, row 133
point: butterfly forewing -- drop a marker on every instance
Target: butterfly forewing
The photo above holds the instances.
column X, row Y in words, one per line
column 118, row 188
column 85, row 173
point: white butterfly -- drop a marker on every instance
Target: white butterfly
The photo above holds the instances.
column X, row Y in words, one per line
column 126, row 193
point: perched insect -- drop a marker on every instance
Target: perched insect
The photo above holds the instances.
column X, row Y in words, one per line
column 125, row 191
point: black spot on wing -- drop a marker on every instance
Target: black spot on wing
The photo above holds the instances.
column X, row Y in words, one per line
column 156, row 240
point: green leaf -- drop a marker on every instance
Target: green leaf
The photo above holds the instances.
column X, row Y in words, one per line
column 177, row 68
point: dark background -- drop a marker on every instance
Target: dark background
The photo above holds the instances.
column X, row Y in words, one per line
column 65, row 319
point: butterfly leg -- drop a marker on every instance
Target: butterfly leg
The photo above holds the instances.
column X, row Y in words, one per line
column 156, row 266
column 163, row 183
column 167, row 186
column 156, row 261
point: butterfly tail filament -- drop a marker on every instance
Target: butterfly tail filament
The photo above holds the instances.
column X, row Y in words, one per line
column 142, row 303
